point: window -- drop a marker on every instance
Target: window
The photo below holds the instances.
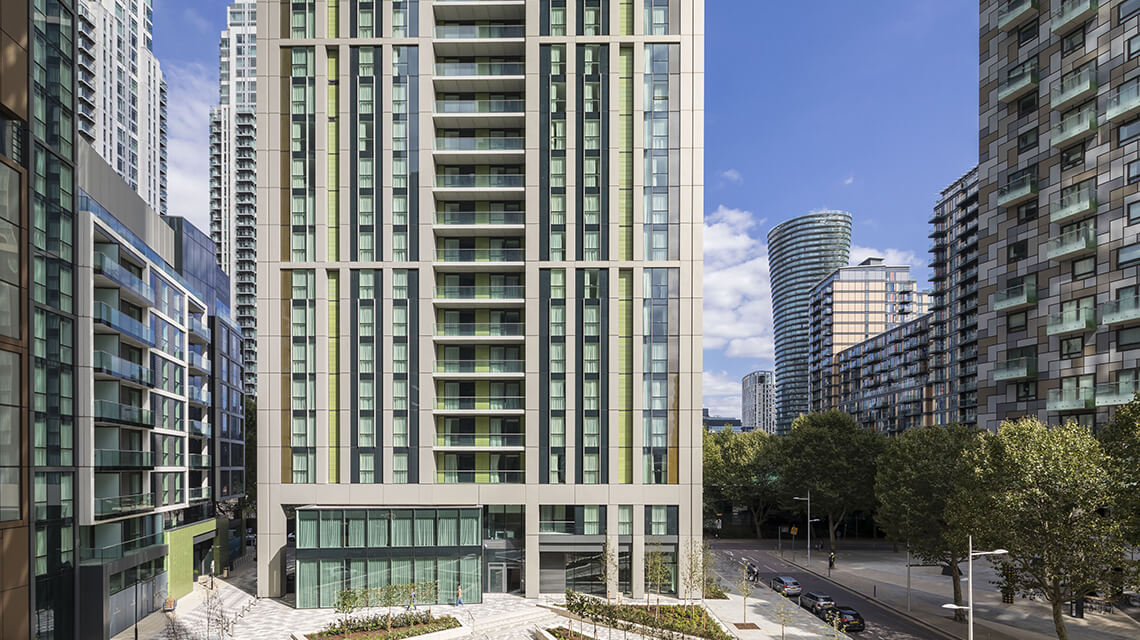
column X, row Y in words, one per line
column 1072, row 157
column 1026, row 105
column 1027, row 33
column 1016, row 321
column 1026, row 391
column 1134, row 171
column 1129, row 131
column 1134, row 212
column 1128, row 256
column 1027, row 212
column 1072, row 347
column 1084, row 267
column 1073, row 42
column 1027, row 140
column 1128, row 8
column 1017, row 251
column 1133, row 47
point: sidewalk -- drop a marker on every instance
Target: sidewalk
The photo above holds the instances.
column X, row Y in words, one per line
column 765, row 610
column 882, row 574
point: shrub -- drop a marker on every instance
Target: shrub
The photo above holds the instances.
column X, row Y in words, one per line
column 562, row 633
column 667, row 619
column 404, row 625
column 713, row 591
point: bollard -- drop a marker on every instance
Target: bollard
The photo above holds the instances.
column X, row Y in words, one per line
column 875, row 591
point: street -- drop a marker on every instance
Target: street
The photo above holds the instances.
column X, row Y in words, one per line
column 882, row 623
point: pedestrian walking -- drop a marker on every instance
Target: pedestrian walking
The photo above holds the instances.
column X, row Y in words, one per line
column 459, row 595
column 412, row 600
column 831, row 561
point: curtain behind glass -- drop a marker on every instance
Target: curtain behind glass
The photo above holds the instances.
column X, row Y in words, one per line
column 357, row 524
column 377, row 529
column 330, row 582
column 469, row 529
column 306, row 532
column 378, row 572
column 448, row 528
column 331, row 527
column 425, row 572
column 401, row 571
column 308, row 583
column 401, row 529
column 358, row 574
column 470, row 579
column 425, row 528
column 448, row 570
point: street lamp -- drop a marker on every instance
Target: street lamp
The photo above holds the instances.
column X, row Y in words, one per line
column 808, row 498
column 970, row 585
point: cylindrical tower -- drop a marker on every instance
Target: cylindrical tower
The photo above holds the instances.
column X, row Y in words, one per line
column 801, row 252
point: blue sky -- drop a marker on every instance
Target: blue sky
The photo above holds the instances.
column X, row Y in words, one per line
column 867, row 107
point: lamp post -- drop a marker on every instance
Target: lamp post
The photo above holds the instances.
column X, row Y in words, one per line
column 970, row 585
column 808, row 498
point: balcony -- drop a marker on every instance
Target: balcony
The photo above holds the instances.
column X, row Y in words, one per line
column 480, row 330
column 1073, row 88
column 1074, row 127
column 199, row 461
column 198, row 395
column 1124, row 101
column 128, row 282
column 480, row 107
column 1112, row 394
column 1070, row 399
column 1014, row 13
column 473, row 255
column 480, row 476
column 1017, row 191
column 479, row 32
column 1071, row 13
column 199, row 428
column 1017, row 85
column 198, row 329
column 121, row 368
column 480, row 403
column 1071, row 321
column 480, row 69
column 1016, row 369
column 452, row 440
column 122, row 505
column 1073, row 202
column 480, row 366
column 475, row 219
column 479, row 293
column 120, row 550
column 118, row 458
column 479, row 150
column 106, row 315
column 198, row 361
column 197, row 494
column 1071, row 244
column 480, row 181
column 108, row 411
column 1016, row 297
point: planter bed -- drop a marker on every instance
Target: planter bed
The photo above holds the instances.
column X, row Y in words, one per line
column 375, row 628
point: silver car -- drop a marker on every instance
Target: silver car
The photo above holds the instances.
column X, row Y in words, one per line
column 815, row 601
column 785, row 586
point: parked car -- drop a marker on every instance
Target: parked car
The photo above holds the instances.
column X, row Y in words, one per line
column 816, row 602
column 785, row 586
column 849, row 619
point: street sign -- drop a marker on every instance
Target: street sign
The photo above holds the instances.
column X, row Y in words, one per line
column 794, row 530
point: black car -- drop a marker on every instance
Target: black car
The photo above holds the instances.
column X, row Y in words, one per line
column 849, row 619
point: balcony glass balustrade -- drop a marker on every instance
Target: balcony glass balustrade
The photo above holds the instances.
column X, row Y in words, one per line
column 1073, row 87
column 109, row 411
column 480, row 143
column 1017, row 296
column 1015, row 12
column 105, row 314
column 120, row 550
column 480, row 181
column 112, row 270
column 480, row 106
column 1017, row 190
column 1074, row 126
column 123, row 458
column 476, row 365
column 199, row 461
column 199, row 428
column 1122, row 311
column 1017, row 85
column 1070, row 13
column 471, row 32
column 1070, row 203
column 200, row 493
column 197, row 327
column 1124, row 101
column 490, row 476
column 1071, row 321
column 479, row 217
column 476, row 69
column 476, row 292
column 198, row 394
column 121, row 368
column 480, row 403
column 477, row 440
column 1070, row 399
column 480, row 255
column 479, row 329
column 1016, row 369
column 1112, row 394
column 120, row 505
column 1071, row 243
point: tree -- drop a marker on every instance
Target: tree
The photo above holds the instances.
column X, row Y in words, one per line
column 745, row 586
column 1046, row 495
column 693, row 577
column 784, row 616
column 917, row 474
column 609, row 566
column 656, row 574
column 1120, row 439
column 346, row 603
column 740, row 470
column 833, row 457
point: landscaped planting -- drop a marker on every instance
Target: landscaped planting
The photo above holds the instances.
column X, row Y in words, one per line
column 379, row 627
column 691, row 620
column 562, row 633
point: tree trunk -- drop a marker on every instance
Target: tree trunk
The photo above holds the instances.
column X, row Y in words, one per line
column 757, row 520
column 1059, row 620
column 956, row 576
column 831, row 527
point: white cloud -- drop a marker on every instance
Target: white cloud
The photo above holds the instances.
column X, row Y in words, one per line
column 906, row 257
column 849, row 181
column 721, row 394
column 192, row 90
column 732, row 175
column 195, row 20
column 737, row 295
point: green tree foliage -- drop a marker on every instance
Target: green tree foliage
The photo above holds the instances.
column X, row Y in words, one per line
column 833, row 457
column 917, row 474
column 1046, row 495
column 1121, row 441
column 740, row 470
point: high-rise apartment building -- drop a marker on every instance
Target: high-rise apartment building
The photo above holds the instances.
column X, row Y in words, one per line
column 121, row 106
column 849, row 306
column 1059, row 325
column 954, row 302
column 233, row 173
column 480, row 340
column 758, row 401
column 801, row 252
